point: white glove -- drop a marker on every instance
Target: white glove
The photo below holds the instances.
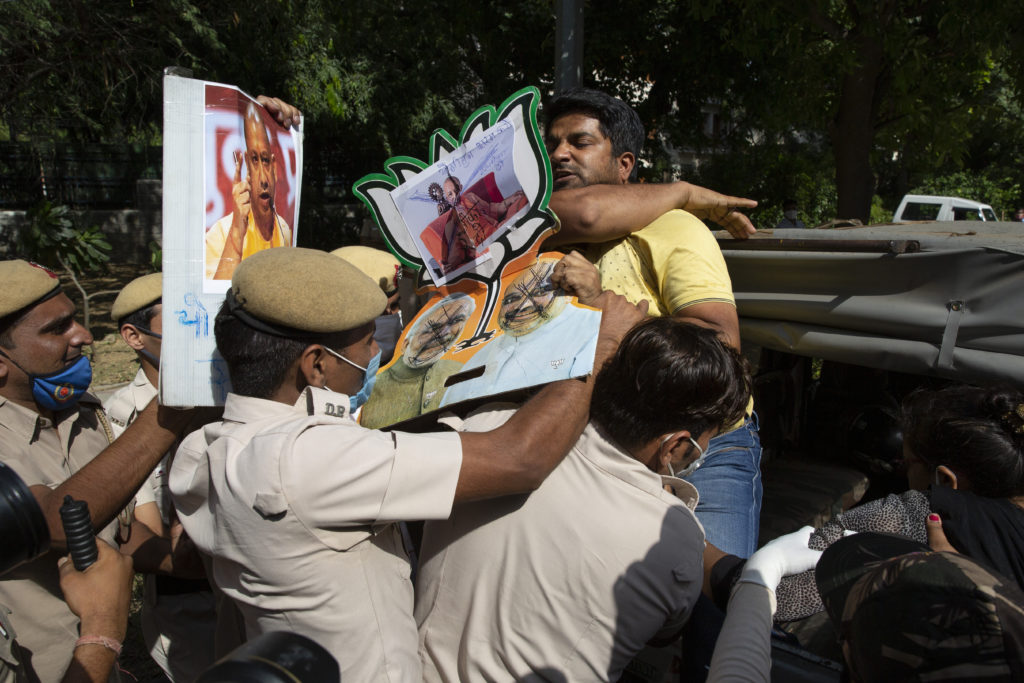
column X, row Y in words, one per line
column 785, row 555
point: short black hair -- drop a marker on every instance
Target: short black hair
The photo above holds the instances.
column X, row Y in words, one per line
column 258, row 362
column 7, row 325
column 667, row 376
column 619, row 122
column 141, row 318
column 978, row 432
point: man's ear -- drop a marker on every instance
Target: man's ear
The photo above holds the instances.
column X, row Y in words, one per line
column 673, row 449
column 624, row 164
column 131, row 336
column 946, row 477
column 311, row 366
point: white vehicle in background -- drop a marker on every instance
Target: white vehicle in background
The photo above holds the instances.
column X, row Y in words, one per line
column 924, row 207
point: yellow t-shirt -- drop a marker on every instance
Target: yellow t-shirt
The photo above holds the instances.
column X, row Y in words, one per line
column 673, row 263
column 253, row 241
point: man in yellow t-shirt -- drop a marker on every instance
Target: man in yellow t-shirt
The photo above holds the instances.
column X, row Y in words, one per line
column 672, row 260
column 253, row 224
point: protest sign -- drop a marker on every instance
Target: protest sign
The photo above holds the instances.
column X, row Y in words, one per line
column 232, row 180
column 472, row 220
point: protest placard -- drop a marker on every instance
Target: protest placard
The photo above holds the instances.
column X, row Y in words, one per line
column 231, row 187
column 472, row 219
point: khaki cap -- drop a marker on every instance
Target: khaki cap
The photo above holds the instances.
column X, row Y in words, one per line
column 137, row 294
column 379, row 266
column 294, row 290
column 23, row 284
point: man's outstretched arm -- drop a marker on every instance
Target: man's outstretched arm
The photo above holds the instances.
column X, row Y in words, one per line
column 599, row 213
column 516, row 457
column 110, row 479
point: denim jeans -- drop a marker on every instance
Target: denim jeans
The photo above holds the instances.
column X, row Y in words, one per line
column 729, row 484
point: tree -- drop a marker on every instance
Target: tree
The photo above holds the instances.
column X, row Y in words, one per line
column 877, row 95
column 870, row 79
column 51, row 238
column 89, row 70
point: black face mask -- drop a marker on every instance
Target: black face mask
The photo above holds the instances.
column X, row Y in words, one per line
column 143, row 352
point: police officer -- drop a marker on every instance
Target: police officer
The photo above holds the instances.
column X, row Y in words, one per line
column 178, row 614
column 56, row 437
column 386, row 271
column 296, row 502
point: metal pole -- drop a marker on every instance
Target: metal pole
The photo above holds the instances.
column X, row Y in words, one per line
column 568, row 44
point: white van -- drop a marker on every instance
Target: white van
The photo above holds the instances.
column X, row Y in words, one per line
column 924, row 207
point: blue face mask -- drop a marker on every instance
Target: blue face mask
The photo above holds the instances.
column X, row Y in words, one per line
column 355, row 402
column 62, row 389
column 369, row 378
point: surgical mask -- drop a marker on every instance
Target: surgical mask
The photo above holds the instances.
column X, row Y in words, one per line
column 61, row 389
column 791, row 215
column 692, row 467
column 369, row 378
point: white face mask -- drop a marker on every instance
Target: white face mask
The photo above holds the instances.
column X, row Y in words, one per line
column 692, row 467
column 791, row 215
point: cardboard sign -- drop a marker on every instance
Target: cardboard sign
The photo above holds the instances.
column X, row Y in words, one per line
column 227, row 166
column 472, row 220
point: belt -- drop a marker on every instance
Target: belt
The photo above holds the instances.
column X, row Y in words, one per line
column 172, row 585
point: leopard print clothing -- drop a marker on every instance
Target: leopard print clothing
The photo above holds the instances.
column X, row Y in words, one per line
column 903, row 515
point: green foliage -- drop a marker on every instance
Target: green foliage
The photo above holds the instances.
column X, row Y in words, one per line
column 91, row 70
column 156, row 256
column 1002, row 194
column 52, row 239
column 771, row 174
column 866, row 81
column 830, row 102
column 879, row 214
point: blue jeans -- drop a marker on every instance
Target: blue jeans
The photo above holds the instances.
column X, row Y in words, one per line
column 729, row 484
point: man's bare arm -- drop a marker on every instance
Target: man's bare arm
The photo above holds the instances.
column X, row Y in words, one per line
column 174, row 555
column 516, row 457
column 149, row 515
column 716, row 315
column 599, row 213
column 110, row 480
column 100, row 596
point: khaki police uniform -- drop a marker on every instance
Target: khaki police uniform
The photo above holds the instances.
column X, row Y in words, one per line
column 179, row 616
column 570, row 581
column 45, row 452
column 295, row 504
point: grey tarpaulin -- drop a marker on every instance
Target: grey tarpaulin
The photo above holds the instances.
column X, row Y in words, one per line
column 938, row 299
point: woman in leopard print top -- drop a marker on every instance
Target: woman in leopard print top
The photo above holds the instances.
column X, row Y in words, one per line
column 964, row 451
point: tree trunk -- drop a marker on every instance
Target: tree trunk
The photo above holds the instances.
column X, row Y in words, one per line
column 853, row 134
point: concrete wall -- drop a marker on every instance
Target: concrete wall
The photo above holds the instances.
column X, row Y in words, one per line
column 129, row 231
